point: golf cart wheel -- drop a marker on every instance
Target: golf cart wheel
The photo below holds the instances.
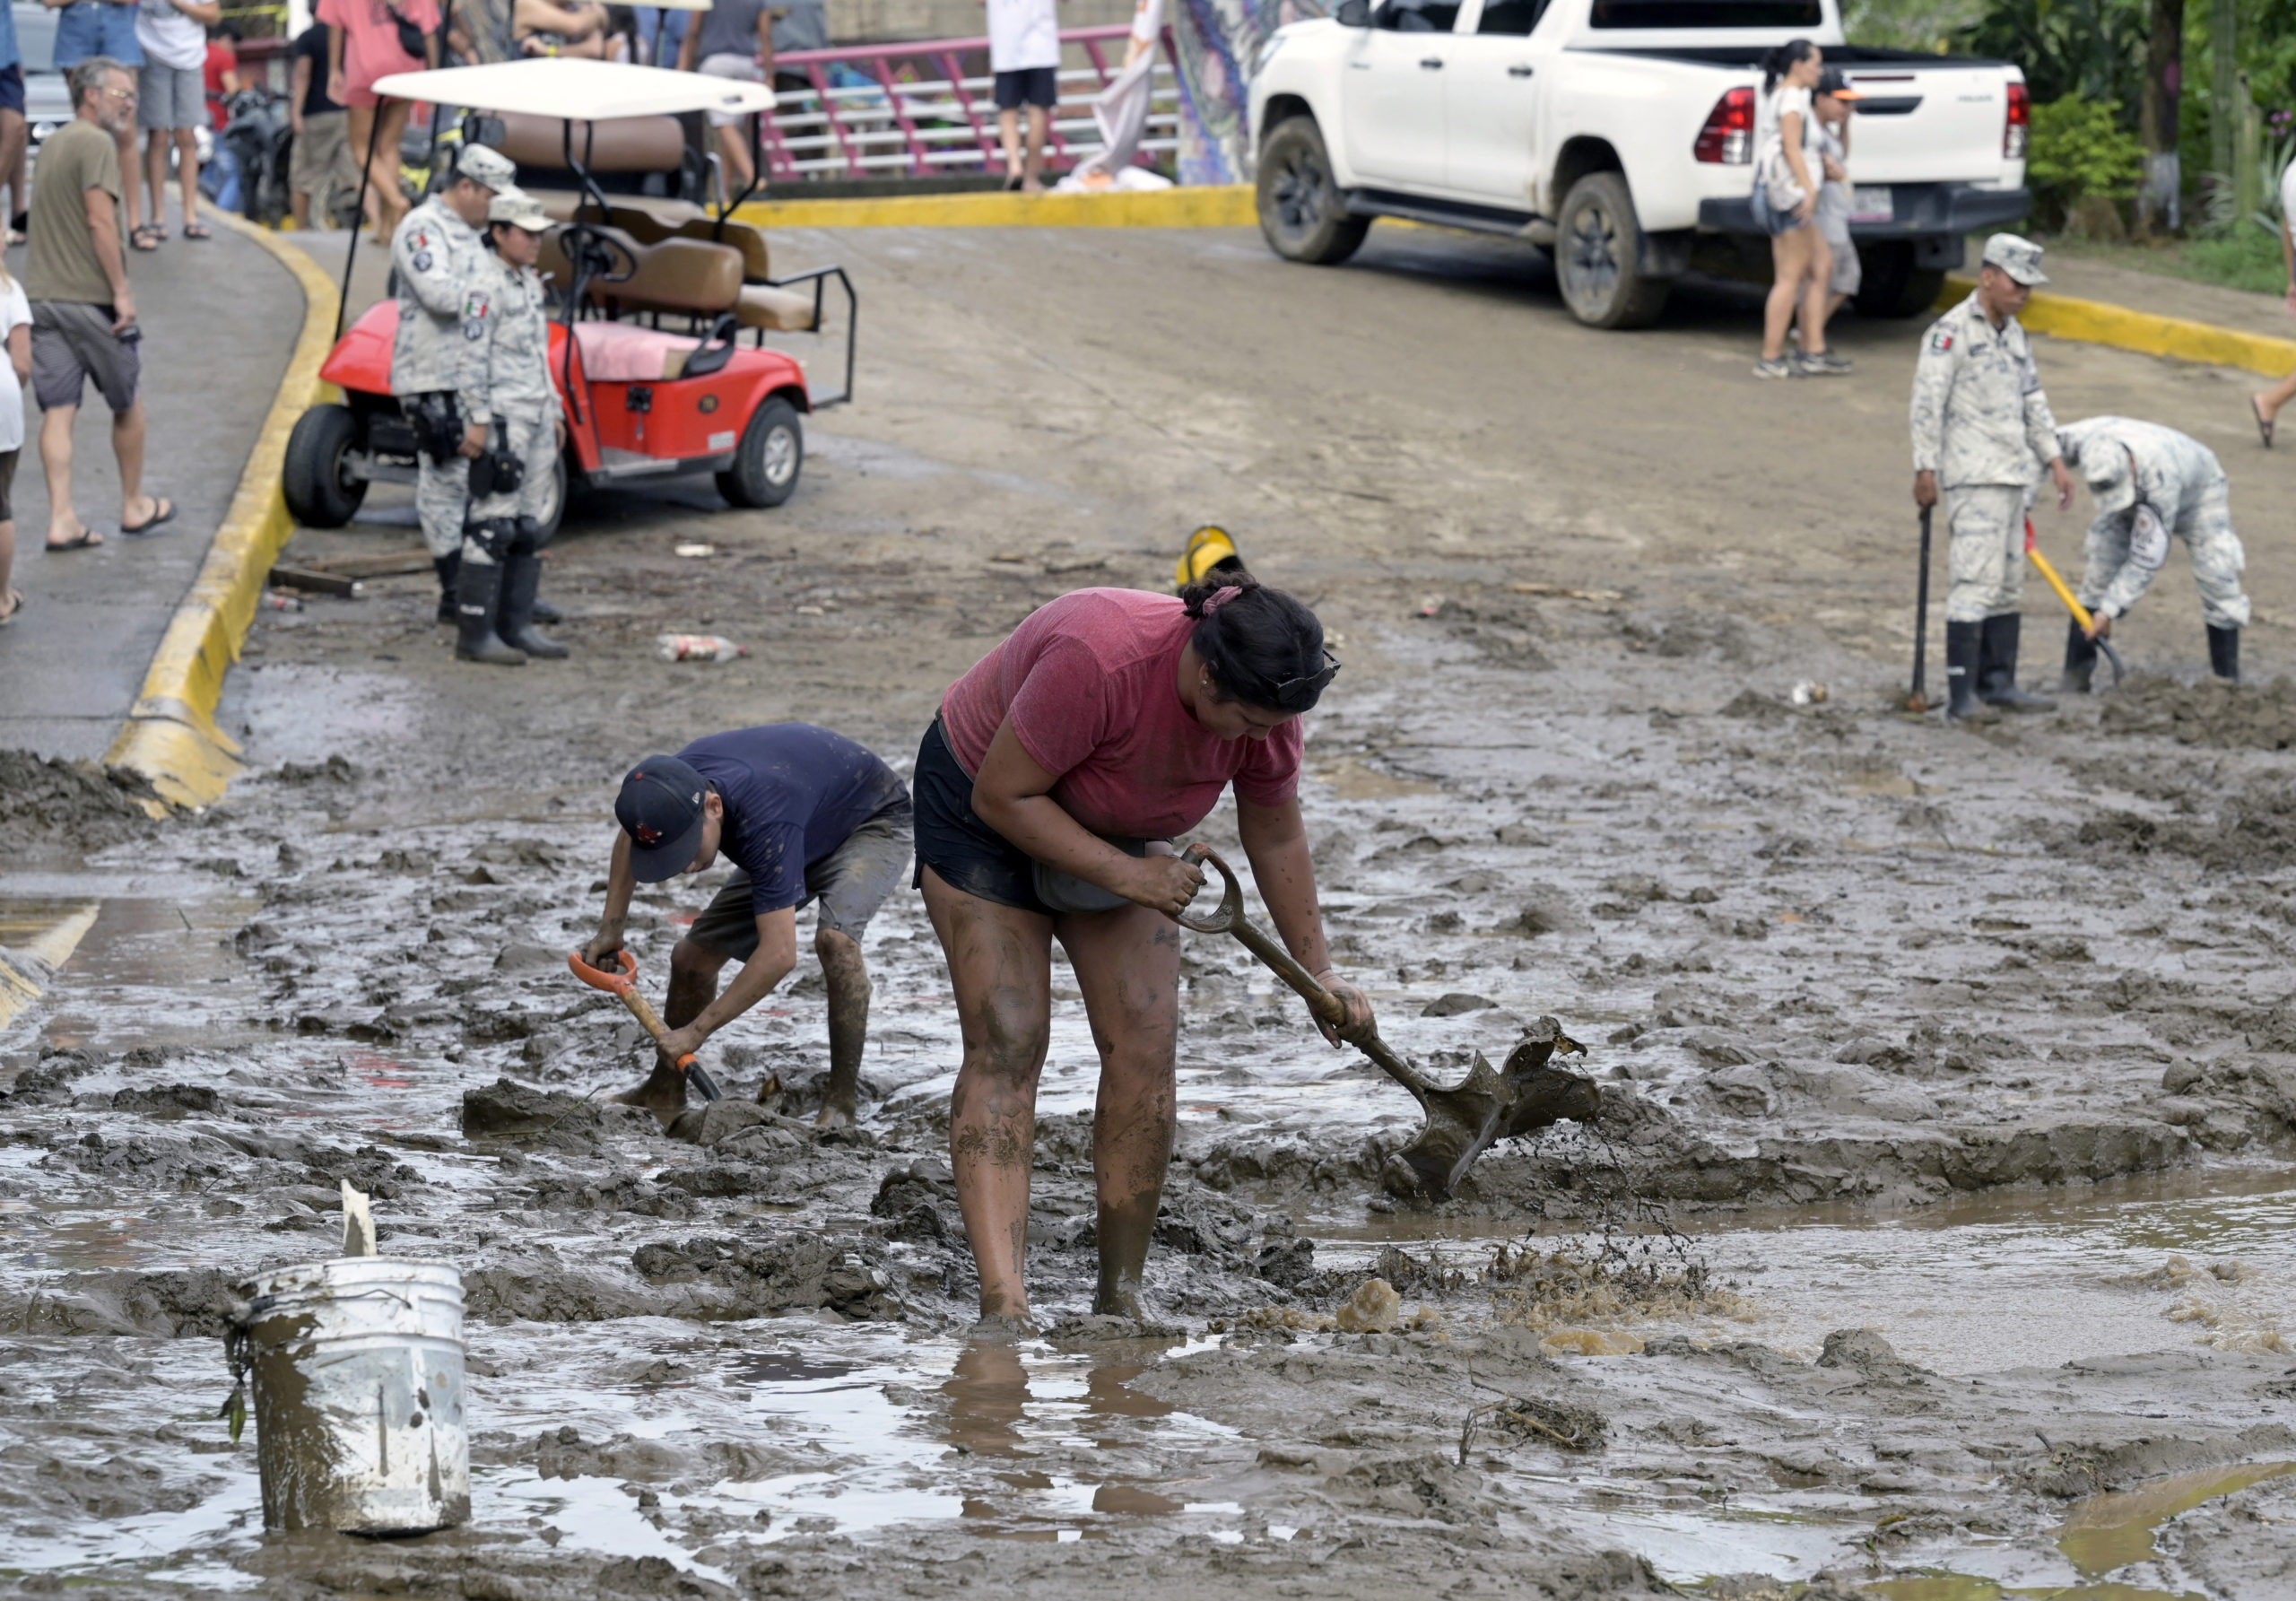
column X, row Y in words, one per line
column 766, row 462
column 1301, row 211
column 554, row 510
column 1598, row 256
column 1891, row 285
column 320, row 492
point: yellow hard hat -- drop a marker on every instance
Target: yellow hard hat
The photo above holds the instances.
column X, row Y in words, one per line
column 1209, row 550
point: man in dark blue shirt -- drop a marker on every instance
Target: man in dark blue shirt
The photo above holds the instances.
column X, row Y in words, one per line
column 805, row 814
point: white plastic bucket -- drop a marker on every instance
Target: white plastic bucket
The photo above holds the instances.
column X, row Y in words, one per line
column 357, row 1367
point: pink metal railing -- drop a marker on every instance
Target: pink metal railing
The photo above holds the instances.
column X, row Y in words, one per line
column 885, row 110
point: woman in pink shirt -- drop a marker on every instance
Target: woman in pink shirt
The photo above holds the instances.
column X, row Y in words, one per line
column 1048, row 793
column 363, row 45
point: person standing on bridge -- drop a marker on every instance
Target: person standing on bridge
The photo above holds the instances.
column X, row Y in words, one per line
column 2149, row 482
column 1050, row 790
column 506, row 384
column 1980, row 426
column 1024, row 54
column 435, row 253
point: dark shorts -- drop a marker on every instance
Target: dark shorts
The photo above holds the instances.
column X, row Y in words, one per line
column 11, row 88
column 850, row 882
column 1030, row 86
column 7, row 486
column 73, row 343
column 96, row 28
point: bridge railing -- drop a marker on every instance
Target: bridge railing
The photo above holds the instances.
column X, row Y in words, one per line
column 917, row 110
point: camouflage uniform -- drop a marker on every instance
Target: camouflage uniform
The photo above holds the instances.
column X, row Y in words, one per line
column 1981, row 424
column 509, row 377
column 435, row 253
column 2173, row 485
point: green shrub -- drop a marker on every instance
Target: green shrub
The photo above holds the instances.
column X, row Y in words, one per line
column 2248, row 258
column 2080, row 149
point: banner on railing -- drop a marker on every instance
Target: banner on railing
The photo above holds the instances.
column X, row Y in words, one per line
column 1215, row 43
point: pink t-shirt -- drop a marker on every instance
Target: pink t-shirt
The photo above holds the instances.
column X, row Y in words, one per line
column 371, row 39
column 1092, row 683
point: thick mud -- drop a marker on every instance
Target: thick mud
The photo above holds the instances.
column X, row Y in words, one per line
column 1934, row 1236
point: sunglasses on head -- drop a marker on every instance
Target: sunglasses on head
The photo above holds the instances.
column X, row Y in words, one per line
column 1316, row 680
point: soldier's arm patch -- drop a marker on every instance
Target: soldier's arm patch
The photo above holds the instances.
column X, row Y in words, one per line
column 422, row 261
column 1940, row 342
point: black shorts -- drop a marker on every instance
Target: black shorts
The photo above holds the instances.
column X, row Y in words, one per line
column 1031, row 86
column 953, row 841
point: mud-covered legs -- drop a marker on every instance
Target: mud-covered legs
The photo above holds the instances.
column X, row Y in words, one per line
column 847, row 977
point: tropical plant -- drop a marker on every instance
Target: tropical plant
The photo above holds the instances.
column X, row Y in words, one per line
column 2081, row 149
column 2090, row 48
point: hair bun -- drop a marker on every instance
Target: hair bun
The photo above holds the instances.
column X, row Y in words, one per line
column 1193, row 597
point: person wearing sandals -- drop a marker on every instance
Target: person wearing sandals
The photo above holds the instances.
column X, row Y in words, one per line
column 105, row 28
column 2265, row 407
column 1050, row 791
column 15, row 135
column 84, row 313
column 172, row 108
column 1788, row 164
column 1024, row 54
column 17, row 333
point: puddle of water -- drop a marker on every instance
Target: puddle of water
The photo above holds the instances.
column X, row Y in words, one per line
column 2106, row 1532
column 153, row 969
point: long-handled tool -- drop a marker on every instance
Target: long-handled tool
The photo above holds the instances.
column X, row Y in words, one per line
column 2080, row 613
column 1918, row 699
column 623, row 987
column 1462, row 1120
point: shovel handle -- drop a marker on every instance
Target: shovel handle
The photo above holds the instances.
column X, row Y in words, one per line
column 2081, row 614
column 622, row 985
column 1228, row 917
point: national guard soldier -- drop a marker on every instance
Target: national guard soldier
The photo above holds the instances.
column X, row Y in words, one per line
column 1980, row 423
column 507, row 389
column 2149, row 482
column 434, row 253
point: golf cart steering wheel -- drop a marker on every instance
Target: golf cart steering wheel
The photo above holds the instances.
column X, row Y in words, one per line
column 598, row 255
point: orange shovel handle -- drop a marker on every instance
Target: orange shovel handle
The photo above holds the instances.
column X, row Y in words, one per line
column 623, row 987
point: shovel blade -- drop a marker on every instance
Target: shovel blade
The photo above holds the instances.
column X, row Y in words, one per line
column 1528, row 1094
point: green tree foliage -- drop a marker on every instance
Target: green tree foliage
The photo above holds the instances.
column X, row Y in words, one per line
column 2093, row 50
column 2080, row 148
column 1910, row 25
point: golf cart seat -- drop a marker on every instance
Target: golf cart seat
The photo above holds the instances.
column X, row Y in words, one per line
column 626, row 144
column 685, row 277
column 781, row 310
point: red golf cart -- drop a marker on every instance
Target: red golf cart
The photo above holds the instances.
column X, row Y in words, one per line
column 654, row 291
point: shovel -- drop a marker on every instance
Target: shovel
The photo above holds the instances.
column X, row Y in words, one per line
column 2080, row 613
column 1462, row 1121
column 623, row 987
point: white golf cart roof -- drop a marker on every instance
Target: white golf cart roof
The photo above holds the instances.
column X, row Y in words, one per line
column 576, row 88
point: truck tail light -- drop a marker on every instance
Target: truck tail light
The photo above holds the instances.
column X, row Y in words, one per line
column 2017, row 133
column 1728, row 137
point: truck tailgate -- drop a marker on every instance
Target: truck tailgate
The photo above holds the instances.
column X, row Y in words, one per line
column 1928, row 124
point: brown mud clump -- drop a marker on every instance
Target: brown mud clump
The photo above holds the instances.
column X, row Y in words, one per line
column 75, row 804
column 2249, row 718
column 1611, row 1282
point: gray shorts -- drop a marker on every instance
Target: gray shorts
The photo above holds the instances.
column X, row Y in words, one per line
column 742, row 68
column 72, row 342
column 850, row 882
column 169, row 97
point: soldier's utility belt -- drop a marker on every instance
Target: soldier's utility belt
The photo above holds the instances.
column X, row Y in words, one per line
column 437, row 418
column 497, row 469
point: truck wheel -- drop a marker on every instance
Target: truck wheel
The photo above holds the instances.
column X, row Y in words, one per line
column 766, row 462
column 1598, row 256
column 321, row 492
column 1301, row 209
column 1892, row 286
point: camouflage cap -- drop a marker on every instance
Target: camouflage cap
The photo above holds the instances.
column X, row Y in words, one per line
column 2019, row 257
column 2106, row 468
column 486, row 166
column 519, row 209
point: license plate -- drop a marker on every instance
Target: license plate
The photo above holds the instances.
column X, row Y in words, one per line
column 1871, row 202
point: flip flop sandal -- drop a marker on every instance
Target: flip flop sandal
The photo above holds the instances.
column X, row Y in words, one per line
column 164, row 512
column 197, row 231
column 2264, row 424
column 146, row 238
column 15, row 611
column 88, row 540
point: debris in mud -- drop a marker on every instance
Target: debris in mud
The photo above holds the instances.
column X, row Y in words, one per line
column 1612, row 1282
column 67, row 802
column 2250, row 832
column 2211, row 712
column 1528, row 1418
column 1375, row 1308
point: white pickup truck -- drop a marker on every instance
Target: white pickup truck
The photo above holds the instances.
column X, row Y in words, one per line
column 1619, row 135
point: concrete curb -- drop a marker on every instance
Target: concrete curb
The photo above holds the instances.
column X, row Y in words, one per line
column 1210, row 205
column 170, row 740
column 25, row 972
column 2098, row 322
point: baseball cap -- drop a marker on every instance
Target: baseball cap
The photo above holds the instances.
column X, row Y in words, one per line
column 660, row 809
column 483, row 164
column 518, row 208
column 2020, row 259
column 1831, row 81
column 2105, row 468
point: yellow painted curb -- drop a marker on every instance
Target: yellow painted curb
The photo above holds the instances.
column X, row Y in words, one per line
column 2097, row 322
column 1210, row 205
column 52, row 949
column 170, row 739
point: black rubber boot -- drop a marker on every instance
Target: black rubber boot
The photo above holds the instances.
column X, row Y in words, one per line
column 1997, row 683
column 447, row 567
column 1962, row 652
column 477, row 589
column 530, row 536
column 2224, row 653
column 2080, row 660
column 521, row 576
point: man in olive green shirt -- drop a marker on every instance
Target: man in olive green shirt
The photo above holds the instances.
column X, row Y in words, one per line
column 84, row 313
